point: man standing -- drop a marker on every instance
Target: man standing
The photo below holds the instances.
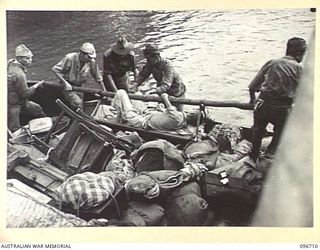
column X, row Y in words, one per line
column 18, row 90
column 168, row 80
column 276, row 81
column 74, row 70
column 118, row 61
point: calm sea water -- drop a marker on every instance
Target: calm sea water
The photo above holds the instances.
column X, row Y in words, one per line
column 217, row 53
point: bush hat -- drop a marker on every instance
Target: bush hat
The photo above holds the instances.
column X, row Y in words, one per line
column 122, row 46
column 151, row 49
column 89, row 49
column 22, row 50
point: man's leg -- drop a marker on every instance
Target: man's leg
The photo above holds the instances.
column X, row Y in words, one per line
column 121, row 101
column 125, row 111
column 123, row 82
column 33, row 109
column 280, row 118
column 258, row 131
column 14, row 118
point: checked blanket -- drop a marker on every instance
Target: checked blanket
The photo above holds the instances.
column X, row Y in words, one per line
column 85, row 190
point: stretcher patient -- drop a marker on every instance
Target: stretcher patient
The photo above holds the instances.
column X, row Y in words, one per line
column 164, row 118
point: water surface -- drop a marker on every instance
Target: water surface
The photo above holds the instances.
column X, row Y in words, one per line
column 217, row 53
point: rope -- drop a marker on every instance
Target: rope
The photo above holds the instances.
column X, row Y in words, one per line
column 46, row 158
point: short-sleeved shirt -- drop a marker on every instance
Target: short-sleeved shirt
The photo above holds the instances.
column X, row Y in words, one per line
column 278, row 78
column 71, row 70
column 116, row 65
column 18, row 90
column 168, row 80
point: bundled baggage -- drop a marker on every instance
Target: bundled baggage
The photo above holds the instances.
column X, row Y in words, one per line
column 158, row 155
column 204, row 151
column 186, row 207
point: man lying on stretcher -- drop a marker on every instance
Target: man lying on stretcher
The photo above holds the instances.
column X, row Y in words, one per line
column 165, row 118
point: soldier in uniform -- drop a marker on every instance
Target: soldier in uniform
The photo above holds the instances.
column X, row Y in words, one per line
column 18, row 90
column 74, row 70
column 118, row 61
column 163, row 71
column 277, row 82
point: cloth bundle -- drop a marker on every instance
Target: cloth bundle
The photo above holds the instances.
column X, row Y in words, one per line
column 157, row 155
column 186, row 207
column 85, row 190
column 149, row 185
column 241, row 149
column 120, row 168
column 193, row 170
column 143, row 214
column 227, row 136
column 205, row 151
column 239, row 170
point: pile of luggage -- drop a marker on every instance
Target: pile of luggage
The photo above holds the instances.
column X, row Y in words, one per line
column 110, row 179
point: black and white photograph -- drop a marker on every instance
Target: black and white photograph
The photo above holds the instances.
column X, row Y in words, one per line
column 197, row 118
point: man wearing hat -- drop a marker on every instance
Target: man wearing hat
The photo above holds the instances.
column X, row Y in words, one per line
column 118, row 61
column 18, row 90
column 168, row 80
column 75, row 69
column 276, row 81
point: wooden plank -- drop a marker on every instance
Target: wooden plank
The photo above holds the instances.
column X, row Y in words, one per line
column 148, row 134
column 150, row 98
column 18, row 186
column 79, row 151
column 35, row 177
column 93, row 153
column 245, row 106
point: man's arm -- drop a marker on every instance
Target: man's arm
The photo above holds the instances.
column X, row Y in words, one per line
column 166, row 101
column 256, row 83
column 134, row 67
column 111, row 82
column 252, row 94
column 22, row 88
column 135, row 74
column 167, row 78
column 143, row 74
column 58, row 70
column 96, row 74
